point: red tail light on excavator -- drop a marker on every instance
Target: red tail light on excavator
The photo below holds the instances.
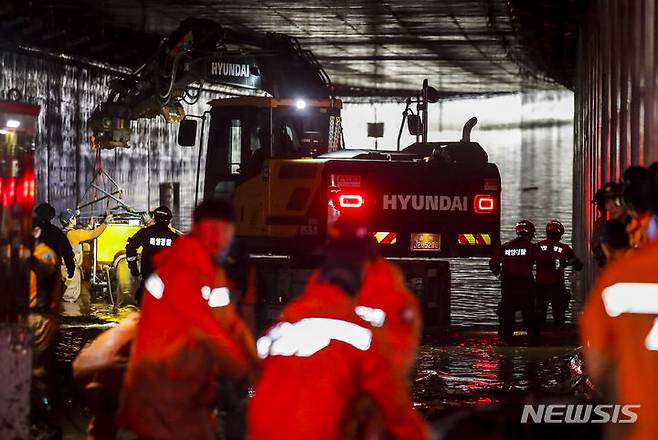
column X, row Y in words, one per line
column 350, row 201
column 350, row 198
column 484, row 204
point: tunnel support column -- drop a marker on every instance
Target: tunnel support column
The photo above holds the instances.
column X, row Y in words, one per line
column 615, row 106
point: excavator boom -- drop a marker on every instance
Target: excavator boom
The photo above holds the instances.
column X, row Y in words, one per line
column 201, row 51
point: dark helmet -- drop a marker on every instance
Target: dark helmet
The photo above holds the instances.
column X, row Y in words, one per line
column 45, row 212
column 349, row 248
column 66, row 216
column 525, row 228
column 636, row 188
column 554, row 229
column 214, row 209
column 162, row 214
column 608, row 191
column 612, row 189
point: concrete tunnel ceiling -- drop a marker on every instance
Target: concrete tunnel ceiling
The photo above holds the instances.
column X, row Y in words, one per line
column 369, row 48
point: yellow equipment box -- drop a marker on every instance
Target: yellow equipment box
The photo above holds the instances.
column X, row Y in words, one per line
column 112, row 241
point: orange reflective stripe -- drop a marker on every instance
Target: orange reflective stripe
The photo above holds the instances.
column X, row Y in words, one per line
column 386, row 237
column 474, row 239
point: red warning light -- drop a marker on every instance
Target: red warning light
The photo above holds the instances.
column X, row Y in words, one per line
column 350, row 201
column 484, row 204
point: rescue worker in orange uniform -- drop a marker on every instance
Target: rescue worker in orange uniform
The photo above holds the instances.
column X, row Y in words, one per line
column 635, row 196
column 386, row 303
column 384, row 300
column 43, row 320
column 619, row 330
column 512, row 262
column 73, row 287
column 320, row 358
column 188, row 335
column 51, row 249
column 552, row 257
column 99, row 368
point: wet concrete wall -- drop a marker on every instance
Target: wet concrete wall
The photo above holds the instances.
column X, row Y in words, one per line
column 616, row 109
column 65, row 163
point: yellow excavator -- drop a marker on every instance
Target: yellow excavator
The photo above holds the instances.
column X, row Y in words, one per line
column 279, row 155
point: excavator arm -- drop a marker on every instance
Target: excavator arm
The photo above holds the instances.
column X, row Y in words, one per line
column 198, row 52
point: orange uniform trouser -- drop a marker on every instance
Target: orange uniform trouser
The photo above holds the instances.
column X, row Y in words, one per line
column 45, row 328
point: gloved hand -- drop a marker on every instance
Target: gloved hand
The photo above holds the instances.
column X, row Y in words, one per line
column 134, row 270
column 108, row 217
column 146, row 218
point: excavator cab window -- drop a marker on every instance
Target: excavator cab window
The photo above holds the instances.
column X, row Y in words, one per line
column 235, row 148
column 308, row 131
column 235, row 137
column 243, row 137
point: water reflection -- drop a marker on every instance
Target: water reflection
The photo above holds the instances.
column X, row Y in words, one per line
column 474, row 369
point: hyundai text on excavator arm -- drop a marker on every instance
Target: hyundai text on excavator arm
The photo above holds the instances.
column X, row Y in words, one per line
column 281, row 158
column 202, row 51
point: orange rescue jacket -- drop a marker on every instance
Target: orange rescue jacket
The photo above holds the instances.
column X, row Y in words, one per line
column 319, row 359
column 188, row 333
column 620, row 324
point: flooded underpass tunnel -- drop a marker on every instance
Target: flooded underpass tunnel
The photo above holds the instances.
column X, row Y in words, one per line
column 231, row 220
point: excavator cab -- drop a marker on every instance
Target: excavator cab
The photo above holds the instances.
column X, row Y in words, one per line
column 247, row 131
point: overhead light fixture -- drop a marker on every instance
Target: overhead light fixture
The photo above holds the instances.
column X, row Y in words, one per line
column 300, row 104
column 13, row 123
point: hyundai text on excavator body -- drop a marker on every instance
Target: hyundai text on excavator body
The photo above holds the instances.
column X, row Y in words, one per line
column 281, row 158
